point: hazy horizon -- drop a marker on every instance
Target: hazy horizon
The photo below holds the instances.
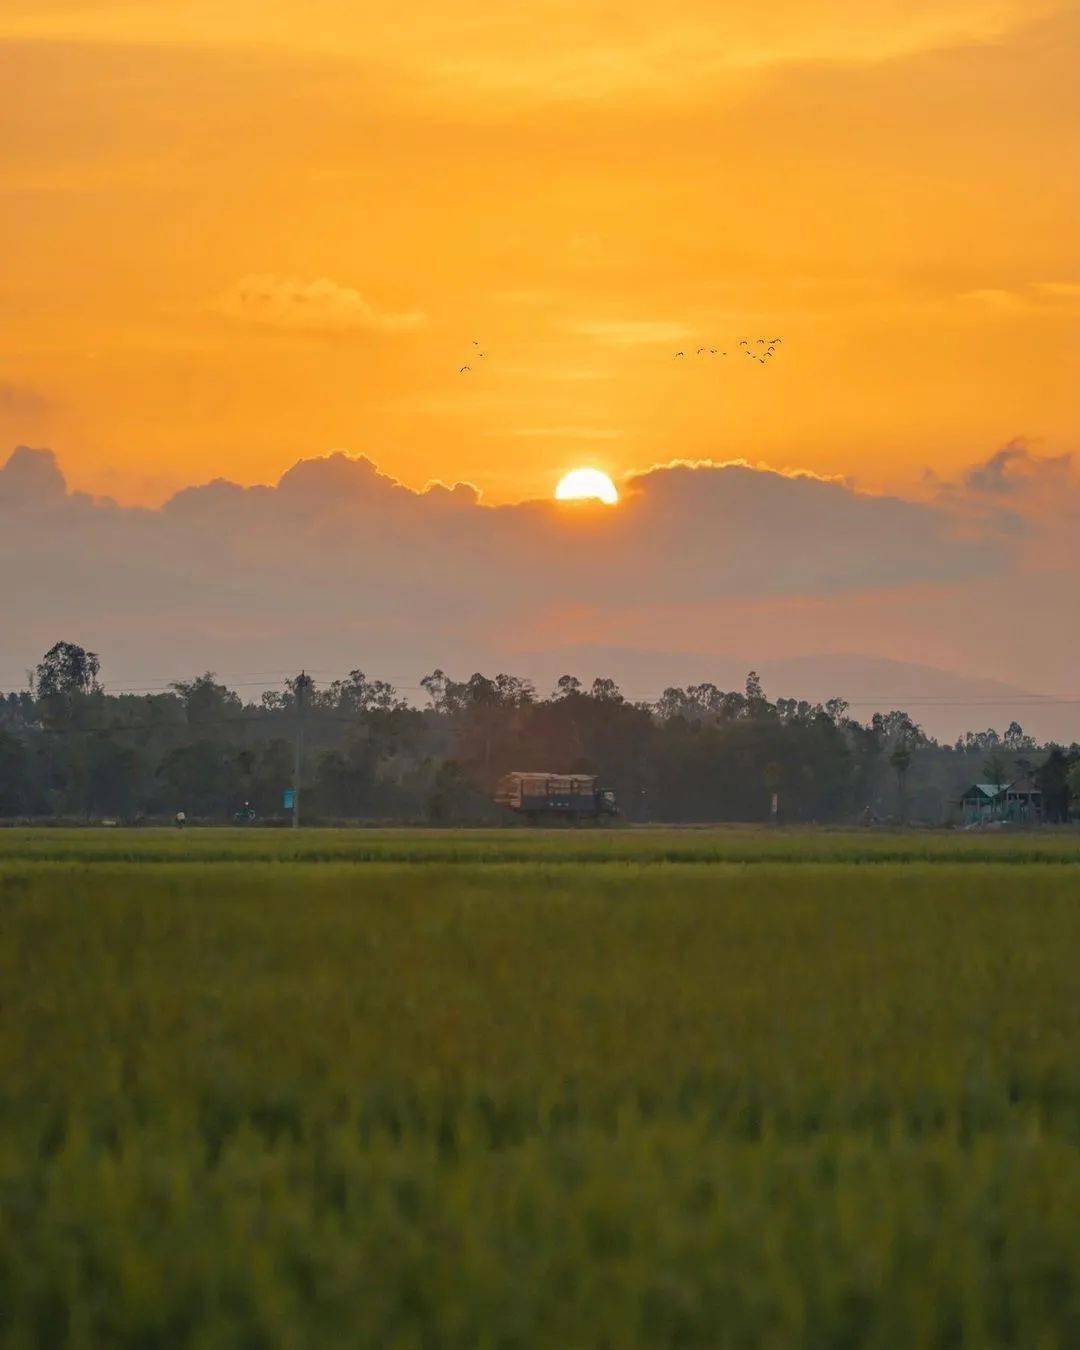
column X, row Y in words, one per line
column 935, row 602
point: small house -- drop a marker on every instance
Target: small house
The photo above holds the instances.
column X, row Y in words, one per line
column 1020, row 802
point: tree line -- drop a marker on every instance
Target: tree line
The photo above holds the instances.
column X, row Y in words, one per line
column 69, row 750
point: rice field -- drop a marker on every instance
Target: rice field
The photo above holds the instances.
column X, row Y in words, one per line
column 686, row 844
column 631, row 1088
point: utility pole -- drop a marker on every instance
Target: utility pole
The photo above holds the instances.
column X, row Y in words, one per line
column 302, row 683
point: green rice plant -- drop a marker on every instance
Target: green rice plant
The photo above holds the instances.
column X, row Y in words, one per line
column 722, row 843
column 626, row 1102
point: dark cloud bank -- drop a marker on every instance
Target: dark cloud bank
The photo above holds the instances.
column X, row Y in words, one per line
column 700, row 570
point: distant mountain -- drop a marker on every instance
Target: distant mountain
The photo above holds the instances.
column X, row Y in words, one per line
column 946, row 703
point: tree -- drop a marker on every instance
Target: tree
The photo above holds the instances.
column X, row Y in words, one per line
column 1074, row 785
column 207, row 701
column 994, row 770
column 441, row 689
column 897, row 726
column 64, row 682
column 757, row 705
column 1016, row 739
column 699, row 753
column 979, row 741
column 773, row 777
column 195, row 778
column 514, row 692
column 900, row 759
column 1054, row 784
column 797, row 710
column 112, row 776
column 355, row 695
column 13, row 775
column 454, row 798
column 673, row 702
column 269, row 772
column 67, row 670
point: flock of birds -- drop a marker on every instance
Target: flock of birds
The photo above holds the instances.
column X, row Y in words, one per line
column 477, row 355
column 747, row 346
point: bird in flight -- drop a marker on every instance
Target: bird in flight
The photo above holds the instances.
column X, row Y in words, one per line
column 748, row 345
column 464, row 369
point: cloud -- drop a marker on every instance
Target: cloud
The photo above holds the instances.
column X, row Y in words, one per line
column 320, row 306
column 1015, row 490
column 743, row 463
column 339, row 565
column 1014, row 469
column 338, row 562
column 735, row 529
column 31, row 478
column 1034, row 499
column 20, row 401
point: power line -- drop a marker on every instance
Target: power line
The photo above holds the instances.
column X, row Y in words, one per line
column 897, row 701
column 250, row 680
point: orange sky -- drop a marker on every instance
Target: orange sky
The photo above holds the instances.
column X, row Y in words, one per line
column 236, row 233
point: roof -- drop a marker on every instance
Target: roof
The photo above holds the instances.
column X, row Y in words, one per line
column 992, row 790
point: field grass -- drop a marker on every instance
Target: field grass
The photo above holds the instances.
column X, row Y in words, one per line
column 619, row 1089
column 705, row 844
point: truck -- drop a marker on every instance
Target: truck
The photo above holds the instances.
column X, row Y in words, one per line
column 555, row 796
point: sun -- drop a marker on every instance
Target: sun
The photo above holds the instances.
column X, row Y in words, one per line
column 586, row 484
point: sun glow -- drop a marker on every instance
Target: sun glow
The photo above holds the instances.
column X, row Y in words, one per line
column 586, row 484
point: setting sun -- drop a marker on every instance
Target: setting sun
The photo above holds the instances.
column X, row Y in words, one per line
column 587, row 484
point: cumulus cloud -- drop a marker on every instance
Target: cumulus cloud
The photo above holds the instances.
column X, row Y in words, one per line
column 31, row 478
column 1015, row 468
column 321, row 305
column 339, row 564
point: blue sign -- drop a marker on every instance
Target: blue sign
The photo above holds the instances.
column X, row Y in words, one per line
column 288, row 798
